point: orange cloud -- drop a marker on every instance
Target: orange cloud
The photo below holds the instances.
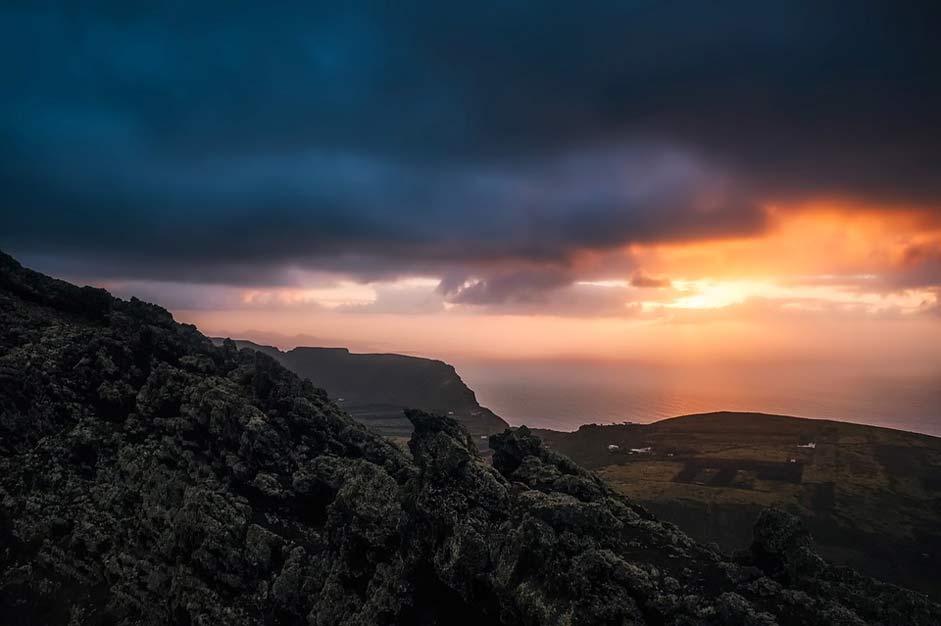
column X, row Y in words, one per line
column 815, row 240
column 828, row 280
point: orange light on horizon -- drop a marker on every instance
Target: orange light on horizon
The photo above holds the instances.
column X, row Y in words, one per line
column 812, row 241
column 824, row 274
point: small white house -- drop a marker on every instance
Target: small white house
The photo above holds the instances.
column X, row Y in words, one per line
column 640, row 450
column 810, row 445
column 612, row 447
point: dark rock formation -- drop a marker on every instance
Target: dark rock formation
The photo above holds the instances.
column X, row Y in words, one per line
column 150, row 477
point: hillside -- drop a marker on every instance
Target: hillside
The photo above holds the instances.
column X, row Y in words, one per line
column 150, row 477
column 376, row 388
column 871, row 496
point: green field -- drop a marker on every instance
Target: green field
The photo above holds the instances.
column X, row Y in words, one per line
column 871, row 496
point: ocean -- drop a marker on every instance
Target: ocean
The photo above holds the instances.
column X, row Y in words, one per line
column 565, row 395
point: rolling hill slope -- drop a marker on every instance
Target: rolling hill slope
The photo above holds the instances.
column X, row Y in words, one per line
column 871, row 496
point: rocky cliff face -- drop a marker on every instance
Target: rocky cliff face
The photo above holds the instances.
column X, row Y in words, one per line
column 375, row 388
column 150, row 477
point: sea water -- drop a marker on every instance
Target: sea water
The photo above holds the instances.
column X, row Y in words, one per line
column 564, row 395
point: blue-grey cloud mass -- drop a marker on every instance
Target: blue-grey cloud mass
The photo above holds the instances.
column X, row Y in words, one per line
column 228, row 142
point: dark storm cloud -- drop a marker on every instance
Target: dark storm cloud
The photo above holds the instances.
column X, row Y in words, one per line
column 230, row 143
column 644, row 280
column 921, row 267
column 528, row 285
column 247, row 219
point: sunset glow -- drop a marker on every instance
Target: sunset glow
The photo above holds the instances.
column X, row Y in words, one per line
column 816, row 281
column 616, row 204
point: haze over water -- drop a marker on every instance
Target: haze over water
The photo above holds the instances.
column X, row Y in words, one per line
column 565, row 395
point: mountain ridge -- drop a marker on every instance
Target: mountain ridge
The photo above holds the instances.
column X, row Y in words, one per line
column 148, row 476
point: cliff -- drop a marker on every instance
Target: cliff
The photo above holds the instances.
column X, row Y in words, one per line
column 376, row 388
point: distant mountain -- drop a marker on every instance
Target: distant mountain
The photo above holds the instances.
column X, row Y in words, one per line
column 871, row 496
column 375, row 388
column 149, row 477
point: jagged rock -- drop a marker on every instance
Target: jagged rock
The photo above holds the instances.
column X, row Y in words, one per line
column 150, row 477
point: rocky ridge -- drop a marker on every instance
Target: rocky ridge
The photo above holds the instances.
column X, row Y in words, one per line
column 150, row 477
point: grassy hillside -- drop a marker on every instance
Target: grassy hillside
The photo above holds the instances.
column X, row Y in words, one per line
column 871, row 496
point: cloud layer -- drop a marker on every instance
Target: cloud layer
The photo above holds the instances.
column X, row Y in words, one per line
column 493, row 148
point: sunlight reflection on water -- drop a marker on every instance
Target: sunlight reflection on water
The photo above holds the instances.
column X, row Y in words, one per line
column 563, row 396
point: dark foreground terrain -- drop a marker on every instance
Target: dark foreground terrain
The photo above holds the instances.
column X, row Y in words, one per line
column 871, row 496
column 150, row 477
column 376, row 388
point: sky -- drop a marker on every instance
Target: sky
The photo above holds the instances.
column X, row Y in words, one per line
column 669, row 181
